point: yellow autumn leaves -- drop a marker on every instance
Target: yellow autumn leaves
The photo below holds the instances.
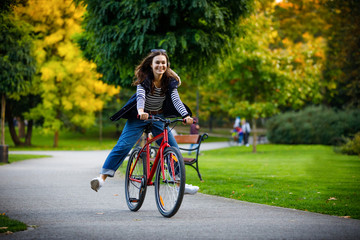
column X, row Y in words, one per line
column 69, row 84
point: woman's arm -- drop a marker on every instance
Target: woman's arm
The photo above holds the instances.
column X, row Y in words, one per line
column 140, row 98
column 175, row 98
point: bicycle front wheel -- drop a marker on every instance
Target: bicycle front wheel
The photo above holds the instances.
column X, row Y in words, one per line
column 170, row 183
column 135, row 180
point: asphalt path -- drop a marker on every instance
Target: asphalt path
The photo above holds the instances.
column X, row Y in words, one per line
column 53, row 195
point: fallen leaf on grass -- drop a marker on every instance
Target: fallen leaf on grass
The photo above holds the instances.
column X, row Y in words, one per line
column 331, row 198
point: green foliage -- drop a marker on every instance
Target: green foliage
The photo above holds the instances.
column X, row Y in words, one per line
column 267, row 71
column 352, row 146
column 313, row 125
column 17, row 64
column 194, row 33
column 342, row 69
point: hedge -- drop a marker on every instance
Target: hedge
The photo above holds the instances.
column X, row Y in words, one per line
column 313, row 125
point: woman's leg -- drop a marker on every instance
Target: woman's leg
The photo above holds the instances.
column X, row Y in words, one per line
column 131, row 133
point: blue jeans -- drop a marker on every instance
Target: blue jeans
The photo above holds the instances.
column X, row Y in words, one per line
column 131, row 133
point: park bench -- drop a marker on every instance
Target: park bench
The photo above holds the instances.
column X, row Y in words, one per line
column 192, row 139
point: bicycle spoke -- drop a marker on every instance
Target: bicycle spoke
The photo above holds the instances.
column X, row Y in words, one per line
column 135, row 187
column 169, row 190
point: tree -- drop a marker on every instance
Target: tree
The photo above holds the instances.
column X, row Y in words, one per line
column 338, row 23
column 342, row 69
column 259, row 79
column 194, row 33
column 17, row 64
column 17, row 106
column 70, row 90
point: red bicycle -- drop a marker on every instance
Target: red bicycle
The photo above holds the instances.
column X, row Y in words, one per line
column 167, row 167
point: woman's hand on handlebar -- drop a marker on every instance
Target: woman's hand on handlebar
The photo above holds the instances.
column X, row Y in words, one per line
column 188, row 120
column 143, row 115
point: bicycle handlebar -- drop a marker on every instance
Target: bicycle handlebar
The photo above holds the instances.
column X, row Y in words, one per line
column 153, row 118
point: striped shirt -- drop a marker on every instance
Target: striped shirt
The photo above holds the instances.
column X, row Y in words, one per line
column 154, row 102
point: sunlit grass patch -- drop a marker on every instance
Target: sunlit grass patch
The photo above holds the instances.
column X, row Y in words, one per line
column 306, row 177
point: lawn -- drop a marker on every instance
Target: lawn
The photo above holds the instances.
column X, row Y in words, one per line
column 75, row 140
column 306, row 177
column 70, row 140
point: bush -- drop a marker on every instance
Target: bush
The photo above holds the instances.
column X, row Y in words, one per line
column 352, row 146
column 313, row 125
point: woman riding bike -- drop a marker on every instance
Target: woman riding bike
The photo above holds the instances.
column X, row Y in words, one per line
column 157, row 95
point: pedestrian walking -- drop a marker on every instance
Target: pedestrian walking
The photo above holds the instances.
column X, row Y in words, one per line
column 246, row 131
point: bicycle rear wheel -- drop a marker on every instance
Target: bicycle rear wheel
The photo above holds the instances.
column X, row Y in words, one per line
column 135, row 180
column 169, row 192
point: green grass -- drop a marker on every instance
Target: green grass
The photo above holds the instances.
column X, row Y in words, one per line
column 8, row 225
column 21, row 157
column 311, row 178
column 72, row 140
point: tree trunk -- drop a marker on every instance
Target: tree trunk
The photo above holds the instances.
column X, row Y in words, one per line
column 3, row 105
column 197, row 103
column 4, row 150
column 254, row 134
column 29, row 133
column 100, row 126
column 21, row 127
column 16, row 140
column 56, row 139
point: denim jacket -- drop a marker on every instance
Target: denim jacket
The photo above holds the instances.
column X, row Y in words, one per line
column 129, row 110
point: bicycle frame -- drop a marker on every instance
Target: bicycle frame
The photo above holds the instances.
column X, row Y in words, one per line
column 166, row 173
column 159, row 156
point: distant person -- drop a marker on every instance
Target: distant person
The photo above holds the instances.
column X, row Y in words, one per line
column 237, row 122
column 194, row 130
column 246, row 131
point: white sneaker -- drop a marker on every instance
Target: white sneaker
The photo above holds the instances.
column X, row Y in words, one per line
column 96, row 183
column 190, row 189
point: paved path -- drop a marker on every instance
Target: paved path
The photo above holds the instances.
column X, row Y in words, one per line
column 54, row 194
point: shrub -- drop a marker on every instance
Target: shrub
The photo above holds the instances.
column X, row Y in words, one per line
column 352, row 146
column 313, row 125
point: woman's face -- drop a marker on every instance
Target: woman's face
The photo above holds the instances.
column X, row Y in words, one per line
column 159, row 65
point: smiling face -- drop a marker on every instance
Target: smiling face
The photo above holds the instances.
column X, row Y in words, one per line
column 159, row 65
